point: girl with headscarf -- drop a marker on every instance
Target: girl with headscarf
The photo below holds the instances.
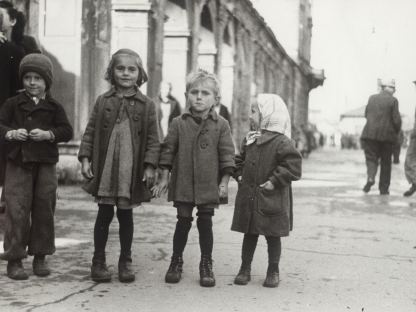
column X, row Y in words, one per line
column 119, row 153
column 266, row 166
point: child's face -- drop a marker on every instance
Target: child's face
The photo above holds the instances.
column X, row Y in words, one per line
column 255, row 117
column 34, row 84
column 201, row 97
column 126, row 72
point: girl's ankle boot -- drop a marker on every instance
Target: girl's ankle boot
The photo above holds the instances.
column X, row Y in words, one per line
column 243, row 276
column 174, row 273
column 206, row 274
column 99, row 270
column 125, row 272
column 272, row 277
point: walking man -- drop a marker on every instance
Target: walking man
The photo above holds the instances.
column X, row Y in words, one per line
column 379, row 135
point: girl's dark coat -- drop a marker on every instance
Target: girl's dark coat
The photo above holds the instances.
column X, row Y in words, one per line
column 143, row 124
column 259, row 211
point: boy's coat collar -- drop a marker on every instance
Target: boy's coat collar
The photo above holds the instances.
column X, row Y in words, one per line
column 137, row 94
column 212, row 113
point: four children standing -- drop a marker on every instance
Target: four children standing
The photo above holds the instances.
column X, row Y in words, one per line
column 119, row 154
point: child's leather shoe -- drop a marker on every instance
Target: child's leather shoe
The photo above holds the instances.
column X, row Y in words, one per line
column 125, row 272
column 206, row 274
column 40, row 267
column 243, row 276
column 99, row 272
column 16, row 271
column 174, row 273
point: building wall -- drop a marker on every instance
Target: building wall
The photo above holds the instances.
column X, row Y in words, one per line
column 174, row 37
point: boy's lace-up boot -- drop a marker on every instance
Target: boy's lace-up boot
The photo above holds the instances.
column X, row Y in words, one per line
column 99, row 270
column 174, row 273
column 243, row 276
column 40, row 267
column 272, row 277
column 16, row 271
column 206, row 274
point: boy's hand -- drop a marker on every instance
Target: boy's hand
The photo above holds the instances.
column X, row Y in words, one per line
column 17, row 135
column 3, row 37
column 162, row 186
column 40, row 135
column 239, row 179
column 149, row 176
column 268, row 185
column 86, row 169
column 223, row 190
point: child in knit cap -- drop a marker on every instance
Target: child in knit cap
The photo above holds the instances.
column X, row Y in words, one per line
column 32, row 124
column 119, row 153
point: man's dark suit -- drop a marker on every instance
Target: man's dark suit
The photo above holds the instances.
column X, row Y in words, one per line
column 379, row 135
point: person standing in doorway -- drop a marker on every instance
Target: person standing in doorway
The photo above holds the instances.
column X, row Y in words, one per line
column 380, row 134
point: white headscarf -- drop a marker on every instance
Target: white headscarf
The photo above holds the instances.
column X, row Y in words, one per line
column 274, row 114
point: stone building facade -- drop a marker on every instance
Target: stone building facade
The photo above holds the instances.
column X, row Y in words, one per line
column 174, row 37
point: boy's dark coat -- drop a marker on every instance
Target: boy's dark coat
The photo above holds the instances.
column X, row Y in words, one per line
column 143, row 124
column 21, row 112
column 197, row 155
column 258, row 211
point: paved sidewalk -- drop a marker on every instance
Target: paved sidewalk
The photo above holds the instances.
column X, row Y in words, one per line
column 349, row 251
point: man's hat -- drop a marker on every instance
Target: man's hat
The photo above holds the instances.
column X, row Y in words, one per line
column 388, row 83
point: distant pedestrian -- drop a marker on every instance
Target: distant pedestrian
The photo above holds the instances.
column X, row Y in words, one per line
column 410, row 161
column 222, row 110
column 266, row 166
column 119, row 153
column 32, row 123
column 200, row 153
column 167, row 107
column 380, row 134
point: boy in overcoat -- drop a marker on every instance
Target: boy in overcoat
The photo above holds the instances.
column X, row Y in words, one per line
column 200, row 152
column 32, row 123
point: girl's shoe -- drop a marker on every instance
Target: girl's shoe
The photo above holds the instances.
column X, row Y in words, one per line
column 410, row 191
column 125, row 272
column 243, row 276
column 99, row 272
column 206, row 274
column 40, row 268
column 272, row 277
column 174, row 273
column 16, row 271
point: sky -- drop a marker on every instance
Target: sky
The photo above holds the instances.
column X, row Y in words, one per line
column 356, row 42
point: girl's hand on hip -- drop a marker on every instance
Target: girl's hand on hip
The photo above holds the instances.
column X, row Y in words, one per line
column 268, row 185
column 149, row 176
column 86, row 169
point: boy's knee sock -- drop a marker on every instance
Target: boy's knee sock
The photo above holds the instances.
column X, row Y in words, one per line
column 125, row 231
column 249, row 246
column 274, row 249
column 183, row 225
column 104, row 217
column 206, row 237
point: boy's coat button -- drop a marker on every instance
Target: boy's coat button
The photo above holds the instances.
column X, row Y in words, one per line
column 29, row 118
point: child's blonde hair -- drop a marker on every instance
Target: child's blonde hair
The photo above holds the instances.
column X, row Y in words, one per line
column 202, row 75
column 109, row 74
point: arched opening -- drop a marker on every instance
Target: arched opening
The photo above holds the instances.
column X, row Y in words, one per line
column 207, row 48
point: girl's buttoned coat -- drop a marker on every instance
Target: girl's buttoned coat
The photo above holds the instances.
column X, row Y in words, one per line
column 257, row 210
column 143, row 125
column 198, row 155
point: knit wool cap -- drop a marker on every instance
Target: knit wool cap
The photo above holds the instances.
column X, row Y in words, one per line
column 38, row 63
